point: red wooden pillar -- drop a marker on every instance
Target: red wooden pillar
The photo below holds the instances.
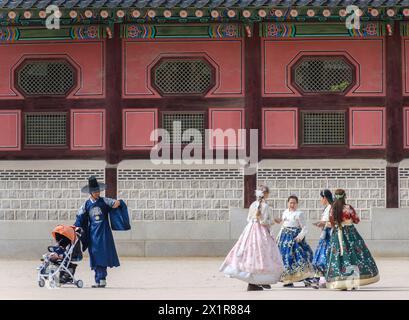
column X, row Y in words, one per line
column 394, row 124
column 113, row 110
column 252, row 61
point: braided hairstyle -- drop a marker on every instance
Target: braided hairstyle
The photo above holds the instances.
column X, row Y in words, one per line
column 260, row 194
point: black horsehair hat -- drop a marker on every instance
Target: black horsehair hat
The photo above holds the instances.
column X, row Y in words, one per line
column 93, row 186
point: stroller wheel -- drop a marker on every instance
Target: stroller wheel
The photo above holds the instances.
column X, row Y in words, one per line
column 41, row 283
column 79, row 284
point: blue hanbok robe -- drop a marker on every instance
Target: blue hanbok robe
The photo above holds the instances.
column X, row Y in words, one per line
column 93, row 218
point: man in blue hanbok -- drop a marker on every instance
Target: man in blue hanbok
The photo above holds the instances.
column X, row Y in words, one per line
column 93, row 217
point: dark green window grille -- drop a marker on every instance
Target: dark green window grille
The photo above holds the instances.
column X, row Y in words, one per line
column 323, row 128
column 323, row 75
column 45, row 78
column 183, row 77
column 177, row 123
column 45, row 129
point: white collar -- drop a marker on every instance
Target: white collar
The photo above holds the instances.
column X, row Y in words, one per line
column 92, row 199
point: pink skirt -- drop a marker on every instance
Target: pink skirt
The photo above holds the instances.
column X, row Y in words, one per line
column 255, row 258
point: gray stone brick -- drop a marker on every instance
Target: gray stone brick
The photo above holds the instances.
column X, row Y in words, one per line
column 209, row 193
column 214, row 184
column 134, row 194
column 136, row 215
column 216, row 204
column 177, row 184
column 224, row 204
column 148, row 215
column 137, row 185
column 212, row 215
column 238, row 194
column 199, row 194
column 371, row 203
column 187, row 204
column 158, row 184
column 207, row 204
column 180, row 215
column 224, row 215
column 170, row 215
column 375, row 193
column 52, row 215
column 364, row 193
column 181, row 194
column 35, row 204
column 159, row 214
column 150, row 204
column 178, row 204
column 159, row 204
column 144, row 194
column 197, row 204
column 191, row 193
column 205, row 184
column 149, row 184
column 362, row 183
column 64, row 215
column 193, row 184
column 153, row 194
column 61, row 204
column 372, row 183
column 281, row 184
column 31, row 215
column 15, row 204
column 9, row 215
column 219, row 194
column 167, row 185
column 21, row 215
column 190, row 215
column 201, row 215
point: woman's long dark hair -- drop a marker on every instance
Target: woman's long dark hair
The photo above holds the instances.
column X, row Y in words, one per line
column 338, row 205
column 327, row 194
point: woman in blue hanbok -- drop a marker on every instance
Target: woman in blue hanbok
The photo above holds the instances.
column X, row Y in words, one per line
column 93, row 217
column 321, row 253
column 295, row 251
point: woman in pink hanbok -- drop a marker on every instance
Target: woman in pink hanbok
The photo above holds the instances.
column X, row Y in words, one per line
column 255, row 258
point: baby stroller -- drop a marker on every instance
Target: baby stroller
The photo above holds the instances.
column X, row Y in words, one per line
column 57, row 266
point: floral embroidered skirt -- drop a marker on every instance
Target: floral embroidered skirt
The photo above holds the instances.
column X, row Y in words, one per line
column 255, row 257
column 350, row 264
column 319, row 261
column 297, row 257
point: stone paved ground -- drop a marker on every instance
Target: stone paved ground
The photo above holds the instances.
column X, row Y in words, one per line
column 187, row 278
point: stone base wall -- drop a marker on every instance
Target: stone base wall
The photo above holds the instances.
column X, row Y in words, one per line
column 364, row 183
column 181, row 194
column 30, row 192
column 404, row 184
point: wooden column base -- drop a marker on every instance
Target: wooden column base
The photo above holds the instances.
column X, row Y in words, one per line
column 392, row 187
column 111, row 181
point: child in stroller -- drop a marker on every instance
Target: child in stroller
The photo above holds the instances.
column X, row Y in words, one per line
column 57, row 266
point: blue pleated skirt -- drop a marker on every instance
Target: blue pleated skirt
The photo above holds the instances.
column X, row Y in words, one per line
column 297, row 256
column 320, row 259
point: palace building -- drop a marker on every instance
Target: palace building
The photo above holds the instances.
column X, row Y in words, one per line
column 331, row 105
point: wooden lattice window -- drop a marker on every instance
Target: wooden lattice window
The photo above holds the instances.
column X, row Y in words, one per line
column 45, row 77
column 323, row 75
column 45, row 129
column 183, row 76
column 323, row 128
column 177, row 123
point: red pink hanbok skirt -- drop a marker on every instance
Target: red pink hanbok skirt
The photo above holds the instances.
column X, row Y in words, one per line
column 255, row 258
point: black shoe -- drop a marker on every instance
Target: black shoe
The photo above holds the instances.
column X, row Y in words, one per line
column 254, row 287
column 266, row 286
column 288, row 285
